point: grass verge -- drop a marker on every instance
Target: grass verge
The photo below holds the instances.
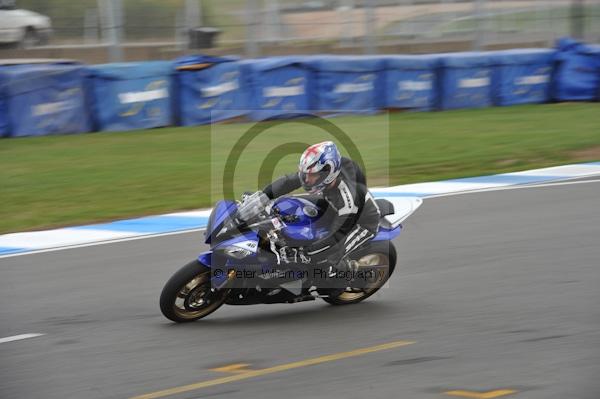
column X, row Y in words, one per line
column 66, row 180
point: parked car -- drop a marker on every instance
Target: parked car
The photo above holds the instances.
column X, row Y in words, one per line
column 23, row 28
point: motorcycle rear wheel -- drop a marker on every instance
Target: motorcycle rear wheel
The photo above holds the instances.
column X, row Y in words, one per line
column 375, row 254
column 188, row 295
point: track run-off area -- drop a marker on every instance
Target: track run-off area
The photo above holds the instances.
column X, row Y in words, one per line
column 495, row 295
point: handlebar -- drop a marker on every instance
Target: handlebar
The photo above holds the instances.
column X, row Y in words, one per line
column 255, row 212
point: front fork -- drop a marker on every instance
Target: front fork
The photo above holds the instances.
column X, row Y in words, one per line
column 219, row 279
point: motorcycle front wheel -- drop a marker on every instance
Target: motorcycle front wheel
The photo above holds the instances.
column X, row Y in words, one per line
column 189, row 296
column 377, row 254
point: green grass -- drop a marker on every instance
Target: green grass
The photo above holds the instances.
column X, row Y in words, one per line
column 66, row 180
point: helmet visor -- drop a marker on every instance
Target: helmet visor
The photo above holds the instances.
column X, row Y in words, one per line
column 312, row 180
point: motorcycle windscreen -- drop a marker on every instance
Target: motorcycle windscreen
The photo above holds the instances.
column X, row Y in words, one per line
column 222, row 211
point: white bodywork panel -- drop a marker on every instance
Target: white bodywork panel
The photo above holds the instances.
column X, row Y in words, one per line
column 403, row 208
column 247, row 245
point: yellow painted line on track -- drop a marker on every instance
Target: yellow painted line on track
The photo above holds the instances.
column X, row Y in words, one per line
column 233, row 368
column 482, row 395
column 270, row 370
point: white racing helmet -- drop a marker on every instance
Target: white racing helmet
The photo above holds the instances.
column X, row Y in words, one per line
column 319, row 166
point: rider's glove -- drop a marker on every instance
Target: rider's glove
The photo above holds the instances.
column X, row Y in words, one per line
column 252, row 205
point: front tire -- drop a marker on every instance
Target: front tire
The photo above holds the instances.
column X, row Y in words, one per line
column 189, row 296
column 382, row 253
column 30, row 39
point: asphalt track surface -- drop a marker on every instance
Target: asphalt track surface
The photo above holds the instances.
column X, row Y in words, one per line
column 495, row 290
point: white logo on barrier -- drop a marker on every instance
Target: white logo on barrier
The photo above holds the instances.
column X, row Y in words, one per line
column 533, row 80
column 68, row 101
column 414, row 85
column 217, row 90
column 51, row 108
column 143, row 96
column 473, row 83
column 283, row 91
column 344, row 88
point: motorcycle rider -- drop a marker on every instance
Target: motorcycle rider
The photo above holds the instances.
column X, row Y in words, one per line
column 342, row 184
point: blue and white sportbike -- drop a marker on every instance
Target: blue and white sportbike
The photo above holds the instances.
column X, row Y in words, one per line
column 243, row 266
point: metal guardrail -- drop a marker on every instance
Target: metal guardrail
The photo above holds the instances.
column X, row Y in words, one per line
column 257, row 24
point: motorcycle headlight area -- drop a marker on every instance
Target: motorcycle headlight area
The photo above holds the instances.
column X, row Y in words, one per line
column 237, row 252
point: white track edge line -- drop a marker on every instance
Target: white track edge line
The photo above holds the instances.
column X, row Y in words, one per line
column 19, row 337
column 516, row 187
column 563, row 182
column 91, row 244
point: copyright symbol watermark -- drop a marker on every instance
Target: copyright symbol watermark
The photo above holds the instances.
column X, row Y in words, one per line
column 247, row 157
column 218, row 273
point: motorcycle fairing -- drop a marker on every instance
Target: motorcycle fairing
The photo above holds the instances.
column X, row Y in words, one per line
column 248, row 241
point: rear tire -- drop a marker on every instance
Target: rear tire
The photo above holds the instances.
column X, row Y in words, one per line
column 379, row 250
column 188, row 295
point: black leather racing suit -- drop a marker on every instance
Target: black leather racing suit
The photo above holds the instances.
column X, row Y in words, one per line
column 353, row 211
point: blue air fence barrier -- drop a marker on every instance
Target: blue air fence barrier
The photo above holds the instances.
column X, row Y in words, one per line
column 278, row 86
column 4, row 117
column 42, row 99
column 522, row 76
column 577, row 74
column 350, row 84
column 210, row 89
column 466, row 80
column 410, row 82
column 133, row 95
